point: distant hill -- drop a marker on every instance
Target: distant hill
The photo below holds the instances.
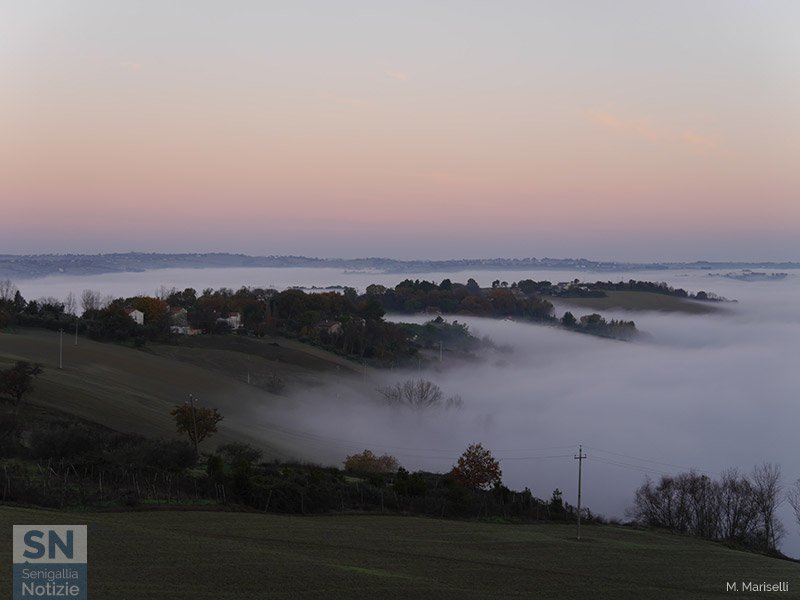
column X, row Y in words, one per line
column 40, row 265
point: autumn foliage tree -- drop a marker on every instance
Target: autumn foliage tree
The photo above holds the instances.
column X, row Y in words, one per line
column 153, row 308
column 17, row 381
column 477, row 468
column 368, row 462
column 198, row 422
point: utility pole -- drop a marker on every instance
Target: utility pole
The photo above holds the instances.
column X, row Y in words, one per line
column 440, row 351
column 365, row 371
column 581, row 456
column 61, row 348
column 194, row 422
column 76, row 332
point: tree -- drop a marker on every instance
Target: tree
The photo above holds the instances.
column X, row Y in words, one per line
column 418, row 394
column 237, row 454
column 70, row 304
column 368, row 462
column 154, row 309
column 17, row 381
column 90, row 300
column 568, row 320
column 556, row 501
column 767, row 496
column 197, row 422
column 477, row 468
column 738, row 514
column 7, row 290
column 793, row 495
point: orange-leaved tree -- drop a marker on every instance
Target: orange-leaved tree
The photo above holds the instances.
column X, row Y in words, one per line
column 477, row 468
column 368, row 462
column 197, row 422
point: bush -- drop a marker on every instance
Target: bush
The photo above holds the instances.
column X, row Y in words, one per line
column 63, row 440
column 367, row 462
column 237, row 453
column 170, row 455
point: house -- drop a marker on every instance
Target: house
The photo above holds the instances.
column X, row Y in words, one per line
column 178, row 317
column 136, row 315
column 234, row 320
column 330, row 327
column 184, row 330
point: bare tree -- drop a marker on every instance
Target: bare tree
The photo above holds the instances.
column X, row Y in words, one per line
column 163, row 292
column 767, row 489
column 418, row 394
column 7, row 290
column 70, row 304
column 738, row 513
column 793, row 496
column 90, row 300
column 50, row 301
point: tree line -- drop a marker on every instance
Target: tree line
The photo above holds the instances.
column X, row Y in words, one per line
column 735, row 508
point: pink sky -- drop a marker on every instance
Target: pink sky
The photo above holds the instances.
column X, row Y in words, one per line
column 636, row 131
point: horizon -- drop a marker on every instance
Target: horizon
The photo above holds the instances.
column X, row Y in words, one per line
column 618, row 130
column 445, row 259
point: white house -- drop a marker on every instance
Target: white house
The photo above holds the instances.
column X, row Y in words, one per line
column 136, row 315
column 234, row 320
column 330, row 327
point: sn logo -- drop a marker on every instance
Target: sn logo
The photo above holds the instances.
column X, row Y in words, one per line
column 51, row 544
column 35, row 548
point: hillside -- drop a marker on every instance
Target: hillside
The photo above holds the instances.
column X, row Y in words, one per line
column 40, row 265
column 211, row 555
column 639, row 301
column 134, row 390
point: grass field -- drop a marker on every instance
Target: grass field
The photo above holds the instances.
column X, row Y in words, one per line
column 134, row 390
column 638, row 301
column 211, row 555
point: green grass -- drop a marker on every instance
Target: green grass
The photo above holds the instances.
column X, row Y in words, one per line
column 637, row 301
column 133, row 390
column 211, row 555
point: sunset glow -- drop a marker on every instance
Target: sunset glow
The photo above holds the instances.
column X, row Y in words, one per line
column 608, row 129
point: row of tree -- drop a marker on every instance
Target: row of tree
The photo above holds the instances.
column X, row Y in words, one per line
column 735, row 508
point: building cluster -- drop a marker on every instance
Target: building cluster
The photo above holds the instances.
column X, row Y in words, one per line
column 179, row 320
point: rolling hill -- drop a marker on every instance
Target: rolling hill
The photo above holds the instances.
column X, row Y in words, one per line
column 640, row 301
column 133, row 390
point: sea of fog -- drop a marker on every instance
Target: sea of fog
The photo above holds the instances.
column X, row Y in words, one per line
column 702, row 391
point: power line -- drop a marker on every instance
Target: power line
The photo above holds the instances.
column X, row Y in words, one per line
column 533, row 457
column 449, row 454
column 655, row 462
column 639, row 468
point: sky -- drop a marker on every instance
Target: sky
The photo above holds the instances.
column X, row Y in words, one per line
column 616, row 130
